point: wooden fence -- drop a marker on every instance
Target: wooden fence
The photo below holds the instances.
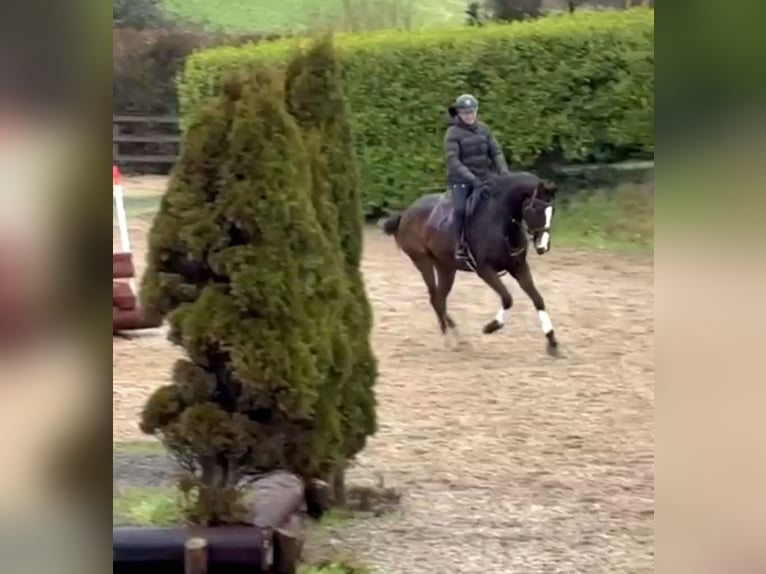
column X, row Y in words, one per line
column 145, row 139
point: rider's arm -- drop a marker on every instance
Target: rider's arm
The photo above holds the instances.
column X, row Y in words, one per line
column 496, row 153
column 452, row 152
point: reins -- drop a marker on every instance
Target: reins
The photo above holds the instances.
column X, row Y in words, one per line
column 524, row 244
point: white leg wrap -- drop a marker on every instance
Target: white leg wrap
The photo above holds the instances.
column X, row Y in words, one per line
column 545, row 321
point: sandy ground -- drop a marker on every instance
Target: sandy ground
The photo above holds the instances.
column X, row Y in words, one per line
column 509, row 461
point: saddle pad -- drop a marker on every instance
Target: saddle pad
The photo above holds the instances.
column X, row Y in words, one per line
column 441, row 215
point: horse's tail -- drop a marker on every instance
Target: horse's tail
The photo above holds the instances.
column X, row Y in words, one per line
column 390, row 225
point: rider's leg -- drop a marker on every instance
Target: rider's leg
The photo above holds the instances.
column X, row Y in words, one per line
column 459, row 199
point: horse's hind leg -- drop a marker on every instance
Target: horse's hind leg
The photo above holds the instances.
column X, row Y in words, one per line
column 446, row 281
column 446, row 278
column 523, row 275
column 491, row 278
column 425, row 265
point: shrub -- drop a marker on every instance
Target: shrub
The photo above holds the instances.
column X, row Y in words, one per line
column 145, row 65
column 239, row 265
column 316, row 98
column 575, row 87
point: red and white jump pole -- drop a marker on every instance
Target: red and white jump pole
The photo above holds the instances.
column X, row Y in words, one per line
column 122, row 218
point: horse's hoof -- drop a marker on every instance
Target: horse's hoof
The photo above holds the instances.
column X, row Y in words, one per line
column 553, row 345
column 492, row 326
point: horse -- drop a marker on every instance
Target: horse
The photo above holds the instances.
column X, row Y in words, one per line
column 512, row 208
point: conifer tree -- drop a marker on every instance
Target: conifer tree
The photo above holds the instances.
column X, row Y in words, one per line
column 240, row 266
column 316, row 99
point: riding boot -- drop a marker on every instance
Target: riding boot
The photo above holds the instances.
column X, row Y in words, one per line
column 460, row 193
column 460, row 247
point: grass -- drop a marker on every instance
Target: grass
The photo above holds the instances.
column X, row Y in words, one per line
column 252, row 16
column 146, row 507
column 339, row 566
column 620, row 219
column 141, row 206
column 138, row 447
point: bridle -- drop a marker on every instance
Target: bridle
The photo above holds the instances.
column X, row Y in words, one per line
column 517, row 251
column 533, row 202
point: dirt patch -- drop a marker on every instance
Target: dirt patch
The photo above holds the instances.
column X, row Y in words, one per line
column 509, row 460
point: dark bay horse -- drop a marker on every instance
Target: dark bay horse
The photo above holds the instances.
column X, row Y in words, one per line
column 513, row 207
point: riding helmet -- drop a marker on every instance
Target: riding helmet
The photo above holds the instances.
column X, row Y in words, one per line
column 466, row 102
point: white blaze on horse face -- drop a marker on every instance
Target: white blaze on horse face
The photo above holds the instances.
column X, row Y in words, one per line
column 545, row 321
column 542, row 242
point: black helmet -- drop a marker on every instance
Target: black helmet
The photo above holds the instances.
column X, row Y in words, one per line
column 466, row 102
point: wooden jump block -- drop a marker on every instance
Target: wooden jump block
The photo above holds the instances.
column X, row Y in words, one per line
column 122, row 296
column 132, row 320
column 122, row 266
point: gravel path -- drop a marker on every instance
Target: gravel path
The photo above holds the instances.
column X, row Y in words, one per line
column 142, row 470
column 509, row 461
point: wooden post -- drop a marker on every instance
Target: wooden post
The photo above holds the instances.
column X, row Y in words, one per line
column 195, row 556
column 288, row 545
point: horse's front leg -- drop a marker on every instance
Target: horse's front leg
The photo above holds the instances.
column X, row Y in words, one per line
column 523, row 275
column 491, row 278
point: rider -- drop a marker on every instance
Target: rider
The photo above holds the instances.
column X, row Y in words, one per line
column 471, row 152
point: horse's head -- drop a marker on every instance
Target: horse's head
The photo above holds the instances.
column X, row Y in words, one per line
column 537, row 212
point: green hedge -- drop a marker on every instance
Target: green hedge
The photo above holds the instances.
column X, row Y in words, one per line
column 578, row 87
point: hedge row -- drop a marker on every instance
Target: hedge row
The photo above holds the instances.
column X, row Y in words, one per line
column 576, row 87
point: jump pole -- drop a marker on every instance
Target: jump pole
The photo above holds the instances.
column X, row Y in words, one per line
column 122, row 219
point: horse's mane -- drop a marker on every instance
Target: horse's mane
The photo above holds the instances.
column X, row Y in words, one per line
column 513, row 183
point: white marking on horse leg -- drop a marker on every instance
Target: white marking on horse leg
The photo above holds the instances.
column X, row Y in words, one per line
column 500, row 317
column 545, row 321
column 545, row 236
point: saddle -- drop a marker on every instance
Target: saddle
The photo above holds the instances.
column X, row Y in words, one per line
column 442, row 216
column 442, row 219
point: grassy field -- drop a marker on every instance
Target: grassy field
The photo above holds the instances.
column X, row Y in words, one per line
column 146, row 507
column 300, row 15
column 621, row 219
